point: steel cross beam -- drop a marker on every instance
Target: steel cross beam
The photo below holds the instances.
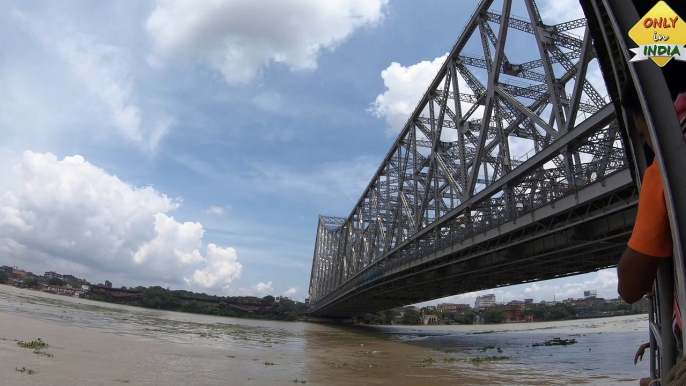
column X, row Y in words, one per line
column 448, row 172
column 564, row 40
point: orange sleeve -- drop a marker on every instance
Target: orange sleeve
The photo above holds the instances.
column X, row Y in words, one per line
column 652, row 235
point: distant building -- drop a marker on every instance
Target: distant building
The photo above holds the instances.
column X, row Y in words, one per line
column 590, row 294
column 52, row 275
column 18, row 272
column 66, row 290
column 453, row 307
column 108, row 284
column 513, row 313
column 590, row 302
column 6, row 269
column 516, row 303
column 485, row 301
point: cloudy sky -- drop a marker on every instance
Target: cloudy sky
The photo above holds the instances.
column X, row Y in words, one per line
column 193, row 144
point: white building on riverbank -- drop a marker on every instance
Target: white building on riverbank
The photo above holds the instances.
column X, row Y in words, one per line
column 485, row 301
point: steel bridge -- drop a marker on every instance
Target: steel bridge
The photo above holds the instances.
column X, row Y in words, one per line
column 456, row 206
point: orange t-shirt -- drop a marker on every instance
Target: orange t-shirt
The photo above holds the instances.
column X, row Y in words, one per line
column 652, row 235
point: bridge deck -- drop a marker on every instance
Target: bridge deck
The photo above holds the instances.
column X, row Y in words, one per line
column 576, row 234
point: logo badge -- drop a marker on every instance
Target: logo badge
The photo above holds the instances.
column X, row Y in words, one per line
column 660, row 35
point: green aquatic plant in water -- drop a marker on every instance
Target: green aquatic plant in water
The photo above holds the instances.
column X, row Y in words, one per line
column 43, row 353
column 37, row 344
column 555, row 342
column 351, row 365
column 489, row 359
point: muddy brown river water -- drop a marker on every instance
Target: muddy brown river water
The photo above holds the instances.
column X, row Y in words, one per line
column 94, row 343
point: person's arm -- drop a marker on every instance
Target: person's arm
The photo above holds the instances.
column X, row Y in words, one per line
column 650, row 242
column 636, row 273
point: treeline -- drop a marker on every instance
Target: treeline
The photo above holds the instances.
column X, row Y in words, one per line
column 388, row 316
column 32, row 282
column 187, row 301
column 497, row 314
column 551, row 313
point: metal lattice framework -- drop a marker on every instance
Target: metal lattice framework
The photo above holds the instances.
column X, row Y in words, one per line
column 451, row 173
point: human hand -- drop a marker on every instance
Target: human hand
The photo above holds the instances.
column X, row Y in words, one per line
column 640, row 352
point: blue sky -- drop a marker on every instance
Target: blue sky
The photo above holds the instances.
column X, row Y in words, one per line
column 204, row 139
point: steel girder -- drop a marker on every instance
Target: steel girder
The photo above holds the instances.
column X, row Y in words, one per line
column 450, row 173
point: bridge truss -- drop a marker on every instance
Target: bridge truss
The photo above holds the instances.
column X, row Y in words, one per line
column 457, row 169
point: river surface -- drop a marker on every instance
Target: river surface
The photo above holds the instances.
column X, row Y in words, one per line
column 94, row 343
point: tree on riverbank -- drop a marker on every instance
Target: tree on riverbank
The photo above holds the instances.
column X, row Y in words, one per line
column 56, row 281
column 466, row 318
column 378, row 318
column 158, row 297
column 412, row 317
column 493, row 315
column 31, row 283
column 287, row 309
column 549, row 313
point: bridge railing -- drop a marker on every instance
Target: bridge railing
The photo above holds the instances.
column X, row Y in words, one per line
column 488, row 215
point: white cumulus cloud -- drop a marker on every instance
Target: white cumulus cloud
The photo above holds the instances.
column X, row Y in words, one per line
column 264, row 288
column 405, row 86
column 238, row 38
column 173, row 238
column 69, row 211
column 222, row 267
column 290, row 292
